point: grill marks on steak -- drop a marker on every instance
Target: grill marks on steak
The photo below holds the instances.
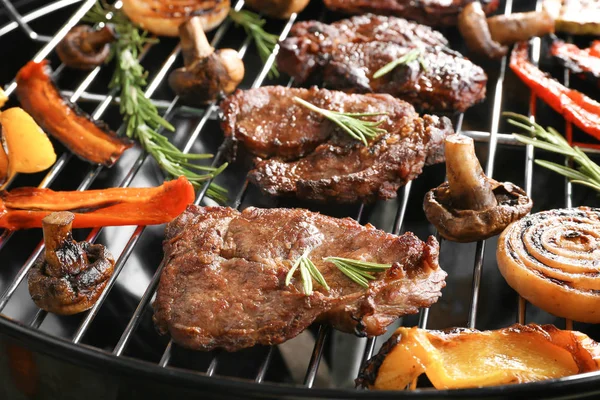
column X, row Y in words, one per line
column 223, row 285
column 314, row 159
column 428, row 12
column 346, row 54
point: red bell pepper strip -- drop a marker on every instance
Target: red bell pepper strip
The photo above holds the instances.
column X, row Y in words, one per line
column 574, row 106
column 578, row 60
column 24, row 208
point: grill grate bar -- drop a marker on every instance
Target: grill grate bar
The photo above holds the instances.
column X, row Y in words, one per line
column 264, row 366
column 315, row 358
column 489, row 170
column 38, row 13
column 18, row 18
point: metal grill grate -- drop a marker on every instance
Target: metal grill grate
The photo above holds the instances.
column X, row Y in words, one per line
column 172, row 110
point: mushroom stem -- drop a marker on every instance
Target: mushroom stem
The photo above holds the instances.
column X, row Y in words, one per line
column 94, row 41
column 57, row 233
column 469, row 188
column 194, row 44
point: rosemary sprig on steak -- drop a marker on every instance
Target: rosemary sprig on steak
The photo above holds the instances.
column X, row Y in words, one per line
column 358, row 271
column 587, row 173
column 308, row 272
column 414, row 54
column 350, row 122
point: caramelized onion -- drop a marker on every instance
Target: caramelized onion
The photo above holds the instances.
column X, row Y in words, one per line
column 164, row 17
column 552, row 259
column 463, row 358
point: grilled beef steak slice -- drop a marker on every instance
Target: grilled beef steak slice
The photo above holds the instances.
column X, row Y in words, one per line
column 310, row 43
column 348, row 174
column 315, row 159
column 223, row 285
column 439, row 79
column 428, row 12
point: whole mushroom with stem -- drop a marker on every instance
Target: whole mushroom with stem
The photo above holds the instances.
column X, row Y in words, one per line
column 470, row 206
column 71, row 275
column 206, row 73
column 84, row 47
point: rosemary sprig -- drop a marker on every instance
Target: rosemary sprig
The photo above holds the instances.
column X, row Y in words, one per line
column 358, row 271
column 253, row 25
column 350, row 122
column 587, row 173
column 308, row 272
column 414, row 54
column 142, row 120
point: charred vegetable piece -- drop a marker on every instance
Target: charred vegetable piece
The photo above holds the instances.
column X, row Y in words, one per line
column 24, row 208
column 473, row 27
column 579, row 61
column 206, row 73
column 578, row 17
column 551, row 259
column 517, row 27
column 88, row 139
column 29, row 149
column 464, row 358
column 84, row 47
column 163, row 17
column 3, row 98
column 277, row 8
column 471, row 206
column 70, row 276
column 574, row 106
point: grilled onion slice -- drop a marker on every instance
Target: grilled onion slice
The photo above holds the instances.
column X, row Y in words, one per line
column 552, row 259
column 463, row 358
column 164, row 17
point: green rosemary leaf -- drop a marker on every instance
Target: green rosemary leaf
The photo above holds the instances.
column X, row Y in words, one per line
column 315, row 273
column 253, row 25
column 414, row 54
column 308, row 272
column 357, row 270
column 359, row 279
column 587, row 172
column 349, row 122
column 140, row 115
column 307, row 285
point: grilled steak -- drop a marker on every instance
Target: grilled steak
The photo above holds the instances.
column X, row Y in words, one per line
column 439, row 79
column 428, row 12
column 315, row 159
column 223, row 285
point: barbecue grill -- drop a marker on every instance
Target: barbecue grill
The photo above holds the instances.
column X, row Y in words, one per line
column 113, row 351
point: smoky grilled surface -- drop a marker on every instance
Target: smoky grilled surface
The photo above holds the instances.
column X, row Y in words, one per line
column 223, row 285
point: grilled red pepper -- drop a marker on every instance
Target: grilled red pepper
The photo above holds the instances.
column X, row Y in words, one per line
column 574, row 106
column 90, row 140
column 579, row 61
column 25, row 208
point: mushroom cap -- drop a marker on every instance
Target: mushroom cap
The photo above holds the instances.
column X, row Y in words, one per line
column 74, row 53
column 468, row 225
column 72, row 293
column 206, row 78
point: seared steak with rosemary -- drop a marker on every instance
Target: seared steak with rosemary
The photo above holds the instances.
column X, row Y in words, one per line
column 315, row 159
column 428, row 12
column 224, row 282
column 434, row 78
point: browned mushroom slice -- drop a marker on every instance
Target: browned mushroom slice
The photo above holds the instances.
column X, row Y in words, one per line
column 474, row 29
column 277, row 8
column 84, row 47
column 471, row 206
column 206, row 74
column 70, row 276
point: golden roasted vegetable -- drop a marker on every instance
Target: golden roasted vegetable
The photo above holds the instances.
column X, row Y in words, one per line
column 551, row 259
column 463, row 358
column 578, row 17
column 29, row 149
column 3, row 98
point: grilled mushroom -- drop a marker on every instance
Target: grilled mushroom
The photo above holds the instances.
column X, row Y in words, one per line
column 206, row 73
column 278, row 8
column 471, row 206
column 70, row 276
column 84, row 47
column 473, row 27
